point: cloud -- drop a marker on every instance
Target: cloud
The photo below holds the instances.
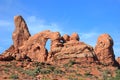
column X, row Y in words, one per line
column 6, row 28
column 6, row 43
column 36, row 25
column 33, row 19
column 5, row 23
column 1, row 49
column 89, row 38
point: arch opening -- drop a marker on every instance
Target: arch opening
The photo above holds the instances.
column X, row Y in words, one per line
column 48, row 44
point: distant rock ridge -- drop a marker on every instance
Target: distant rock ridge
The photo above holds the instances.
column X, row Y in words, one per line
column 63, row 48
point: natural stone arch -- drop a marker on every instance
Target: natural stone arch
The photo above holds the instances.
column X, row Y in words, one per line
column 35, row 46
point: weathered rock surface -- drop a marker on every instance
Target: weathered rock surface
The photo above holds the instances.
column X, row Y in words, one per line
column 35, row 45
column 63, row 48
column 104, row 50
column 65, row 38
column 19, row 36
column 8, row 54
column 21, row 33
column 72, row 49
column 74, row 37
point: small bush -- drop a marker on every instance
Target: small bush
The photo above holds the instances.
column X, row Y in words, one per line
column 88, row 74
column 6, row 70
column 44, row 78
column 8, row 65
column 57, row 71
column 105, row 74
column 45, row 71
column 117, row 77
column 70, row 63
column 20, row 69
column 52, row 68
column 14, row 76
column 78, row 75
column 71, row 78
column 32, row 72
column 38, row 64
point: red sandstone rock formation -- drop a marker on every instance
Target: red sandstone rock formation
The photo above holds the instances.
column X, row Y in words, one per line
column 72, row 49
column 21, row 33
column 65, row 38
column 19, row 36
column 8, row 54
column 104, row 50
column 35, row 45
column 74, row 37
column 62, row 49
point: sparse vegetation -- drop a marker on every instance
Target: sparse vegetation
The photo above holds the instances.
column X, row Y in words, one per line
column 44, row 78
column 14, row 76
column 117, row 77
column 39, row 64
column 106, row 74
column 52, row 68
column 45, row 71
column 72, row 78
column 58, row 71
column 68, row 71
column 70, row 63
column 6, row 70
column 78, row 75
column 31, row 72
column 88, row 74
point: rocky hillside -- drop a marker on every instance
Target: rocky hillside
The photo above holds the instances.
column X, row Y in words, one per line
column 68, row 58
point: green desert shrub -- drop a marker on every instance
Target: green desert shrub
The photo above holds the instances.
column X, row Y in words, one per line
column 38, row 64
column 117, row 77
column 72, row 78
column 33, row 72
column 105, row 74
column 88, row 74
column 14, row 76
column 58, row 71
column 70, row 63
column 45, row 71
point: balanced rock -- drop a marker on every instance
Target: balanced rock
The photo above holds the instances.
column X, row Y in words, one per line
column 104, row 50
